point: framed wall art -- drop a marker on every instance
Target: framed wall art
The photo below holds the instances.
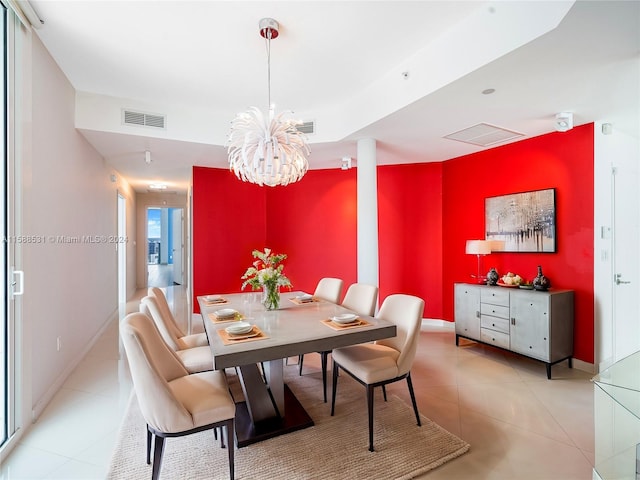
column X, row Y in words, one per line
column 522, row 222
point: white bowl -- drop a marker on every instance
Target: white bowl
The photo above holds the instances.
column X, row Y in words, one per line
column 225, row 312
column 305, row 298
column 239, row 328
column 345, row 318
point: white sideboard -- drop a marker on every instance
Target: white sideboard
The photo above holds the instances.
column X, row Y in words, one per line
column 538, row 324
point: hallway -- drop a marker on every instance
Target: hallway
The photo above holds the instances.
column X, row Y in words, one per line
column 160, row 276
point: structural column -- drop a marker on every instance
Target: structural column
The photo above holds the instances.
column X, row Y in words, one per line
column 367, row 192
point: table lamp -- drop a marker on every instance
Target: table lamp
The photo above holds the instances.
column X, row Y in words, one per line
column 478, row 248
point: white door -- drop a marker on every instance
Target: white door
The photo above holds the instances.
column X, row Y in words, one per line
column 178, row 246
column 626, row 261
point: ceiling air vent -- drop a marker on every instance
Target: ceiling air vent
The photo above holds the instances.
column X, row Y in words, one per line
column 484, row 135
column 143, row 119
column 307, row 127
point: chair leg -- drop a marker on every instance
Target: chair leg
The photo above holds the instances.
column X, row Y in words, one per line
column 323, row 356
column 384, row 393
column 221, row 437
column 230, row 442
column 370, row 410
column 300, row 359
column 149, row 436
column 413, row 399
column 157, row 457
column 335, row 387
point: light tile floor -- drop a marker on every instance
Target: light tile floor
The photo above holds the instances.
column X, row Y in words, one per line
column 519, row 424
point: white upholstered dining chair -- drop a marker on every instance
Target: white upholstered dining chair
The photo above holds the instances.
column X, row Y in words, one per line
column 361, row 299
column 329, row 289
column 387, row 360
column 193, row 340
column 173, row 402
column 194, row 358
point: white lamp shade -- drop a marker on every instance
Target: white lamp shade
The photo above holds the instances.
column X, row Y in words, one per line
column 478, row 247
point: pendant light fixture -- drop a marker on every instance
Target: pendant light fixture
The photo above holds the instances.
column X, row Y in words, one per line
column 267, row 149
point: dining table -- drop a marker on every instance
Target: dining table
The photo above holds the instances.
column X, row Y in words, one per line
column 301, row 324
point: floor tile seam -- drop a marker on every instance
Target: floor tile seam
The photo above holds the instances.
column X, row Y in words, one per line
column 34, row 435
column 99, row 356
column 458, row 409
column 585, row 454
column 88, row 392
column 22, row 443
column 43, row 417
column 73, row 459
column 550, row 413
column 570, row 443
column 488, row 382
column 423, row 383
column 425, row 393
column 555, row 419
column 97, row 438
column 518, row 427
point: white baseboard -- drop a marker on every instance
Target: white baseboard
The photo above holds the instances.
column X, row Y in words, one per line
column 39, row 407
column 435, row 322
column 584, row 366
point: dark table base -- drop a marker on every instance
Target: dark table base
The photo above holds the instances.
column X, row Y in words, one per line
column 296, row 418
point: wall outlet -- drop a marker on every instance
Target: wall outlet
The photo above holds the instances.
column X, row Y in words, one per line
column 58, row 344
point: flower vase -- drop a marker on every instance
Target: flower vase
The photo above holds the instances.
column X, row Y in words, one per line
column 270, row 297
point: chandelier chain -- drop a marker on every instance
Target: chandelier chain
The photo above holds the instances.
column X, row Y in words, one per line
column 267, row 41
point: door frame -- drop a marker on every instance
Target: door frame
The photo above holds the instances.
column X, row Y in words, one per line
column 184, row 256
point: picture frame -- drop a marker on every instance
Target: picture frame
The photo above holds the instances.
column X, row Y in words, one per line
column 522, row 222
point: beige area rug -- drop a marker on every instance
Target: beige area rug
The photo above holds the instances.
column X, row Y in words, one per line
column 335, row 447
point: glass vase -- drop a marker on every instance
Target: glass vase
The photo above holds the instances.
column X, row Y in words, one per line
column 270, row 297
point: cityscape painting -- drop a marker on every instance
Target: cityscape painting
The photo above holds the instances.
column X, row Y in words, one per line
column 522, row 222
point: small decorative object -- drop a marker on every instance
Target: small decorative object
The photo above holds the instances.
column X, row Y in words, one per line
column 492, row 277
column 541, row 282
column 526, row 285
column 266, row 273
column 510, row 280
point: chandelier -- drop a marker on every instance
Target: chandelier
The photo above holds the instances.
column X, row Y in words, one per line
column 267, row 149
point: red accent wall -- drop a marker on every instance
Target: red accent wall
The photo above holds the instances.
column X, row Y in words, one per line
column 314, row 222
column 563, row 161
column 426, row 213
column 410, row 232
column 229, row 221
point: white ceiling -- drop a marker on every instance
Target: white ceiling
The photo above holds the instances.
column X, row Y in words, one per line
column 342, row 64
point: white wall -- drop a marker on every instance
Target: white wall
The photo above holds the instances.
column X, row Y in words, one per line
column 615, row 149
column 70, row 288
